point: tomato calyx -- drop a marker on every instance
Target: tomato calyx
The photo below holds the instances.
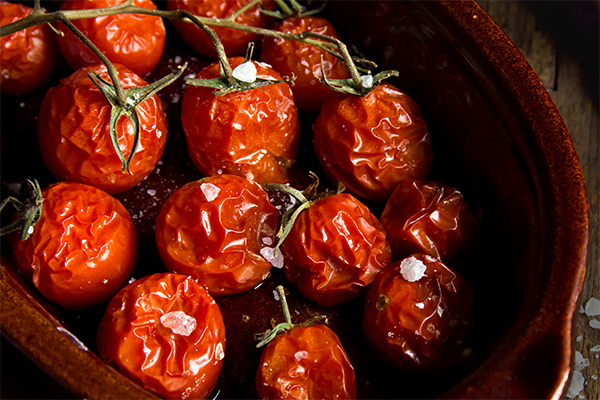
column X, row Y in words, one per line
column 266, row 337
column 296, row 10
column 29, row 212
column 133, row 97
column 304, row 199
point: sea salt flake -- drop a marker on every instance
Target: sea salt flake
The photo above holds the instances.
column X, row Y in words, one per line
column 576, row 386
column 179, row 322
column 367, row 80
column 210, row 191
column 412, row 269
column 275, row 257
column 301, row 355
column 245, row 72
column 595, row 324
column 592, row 307
column 595, row 349
column 580, row 362
column 579, row 338
column 151, row 192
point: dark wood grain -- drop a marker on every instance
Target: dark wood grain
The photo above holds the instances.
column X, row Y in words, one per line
column 560, row 41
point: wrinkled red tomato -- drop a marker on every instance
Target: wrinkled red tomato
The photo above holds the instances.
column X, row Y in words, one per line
column 234, row 41
column 134, row 40
column 293, row 58
column 417, row 314
column 82, row 250
column 335, row 249
column 166, row 333
column 74, row 137
column 219, row 230
column 372, row 143
column 430, row 218
column 253, row 134
column 28, row 57
column 305, row 363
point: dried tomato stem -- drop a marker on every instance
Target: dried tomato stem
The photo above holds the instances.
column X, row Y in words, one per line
column 29, row 212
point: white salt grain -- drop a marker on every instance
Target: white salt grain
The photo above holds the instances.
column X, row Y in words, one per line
column 595, row 349
column 412, row 269
column 595, row 324
column 576, row 385
column 210, row 191
column 179, row 322
column 367, row 80
column 245, row 72
column 592, row 307
column 275, row 258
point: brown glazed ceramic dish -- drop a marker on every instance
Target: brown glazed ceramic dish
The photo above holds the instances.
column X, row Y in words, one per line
column 497, row 137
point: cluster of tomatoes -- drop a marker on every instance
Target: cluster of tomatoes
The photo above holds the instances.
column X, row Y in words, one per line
column 221, row 235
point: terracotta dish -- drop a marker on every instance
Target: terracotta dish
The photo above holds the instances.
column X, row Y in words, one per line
column 496, row 135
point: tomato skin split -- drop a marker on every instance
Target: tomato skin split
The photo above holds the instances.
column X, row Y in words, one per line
column 216, row 230
column 28, row 57
column 82, row 250
column 166, row 333
column 305, row 363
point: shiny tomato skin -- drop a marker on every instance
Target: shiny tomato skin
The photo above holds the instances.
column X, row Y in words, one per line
column 28, row 57
column 82, row 250
column 134, row 40
column 293, row 58
column 306, row 363
column 335, row 249
column 372, row 143
column 418, row 325
column 428, row 217
column 253, row 134
column 234, row 41
column 74, row 138
column 166, row 333
column 216, row 230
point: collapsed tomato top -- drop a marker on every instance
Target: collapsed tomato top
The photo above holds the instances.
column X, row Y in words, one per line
column 82, row 250
column 74, row 137
column 166, row 333
column 253, row 134
column 27, row 57
column 134, row 40
column 372, row 143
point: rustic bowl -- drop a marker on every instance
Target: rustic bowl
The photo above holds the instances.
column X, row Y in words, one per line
column 497, row 137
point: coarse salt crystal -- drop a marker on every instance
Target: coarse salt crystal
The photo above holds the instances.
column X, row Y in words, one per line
column 210, row 191
column 412, row 269
column 592, row 307
column 576, row 386
column 272, row 256
column 300, row 355
column 595, row 349
column 245, row 72
column 595, row 324
column 179, row 322
column 367, row 80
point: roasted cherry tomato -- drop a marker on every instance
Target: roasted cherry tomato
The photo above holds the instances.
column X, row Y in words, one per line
column 305, row 363
column 28, row 57
column 234, row 41
column 293, row 58
column 82, row 250
column 417, row 314
column 221, row 231
column 430, row 218
column 134, row 40
column 74, row 137
column 166, row 333
column 253, row 134
column 371, row 143
column 335, row 249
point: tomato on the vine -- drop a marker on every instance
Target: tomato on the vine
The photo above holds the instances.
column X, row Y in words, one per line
column 302, row 60
column 82, row 250
column 234, row 41
column 221, row 231
column 254, row 133
column 428, row 217
column 134, row 40
column 372, row 143
column 166, row 333
column 335, row 249
column 27, row 57
column 74, row 137
column 417, row 314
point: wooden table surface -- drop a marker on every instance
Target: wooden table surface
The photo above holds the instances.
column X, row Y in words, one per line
column 560, row 41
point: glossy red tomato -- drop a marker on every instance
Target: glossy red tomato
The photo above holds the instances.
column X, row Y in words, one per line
column 134, row 40
column 166, row 333
column 305, row 363
column 82, row 250
column 234, row 41
column 293, row 58
column 372, row 143
column 28, row 57
column 430, row 218
column 220, row 230
column 335, row 249
column 253, row 134
column 417, row 314
column 74, row 138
